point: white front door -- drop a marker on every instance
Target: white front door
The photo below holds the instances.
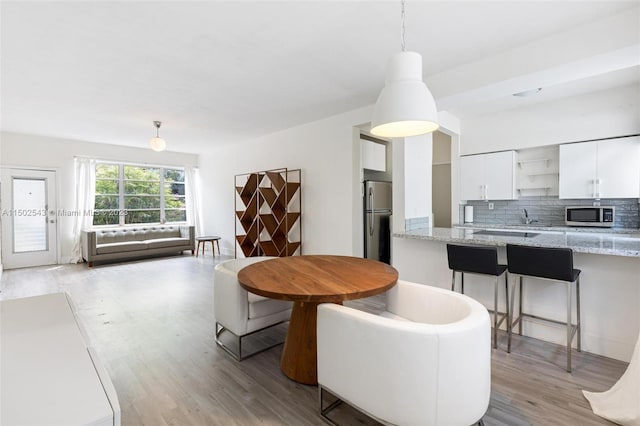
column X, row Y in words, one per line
column 28, row 215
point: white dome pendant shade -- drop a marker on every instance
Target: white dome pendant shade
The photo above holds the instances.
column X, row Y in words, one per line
column 405, row 106
column 157, row 143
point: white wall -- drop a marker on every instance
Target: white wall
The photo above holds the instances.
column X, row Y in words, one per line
column 327, row 151
column 418, row 154
column 412, row 172
column 31, row 151
column 602, row 114
column 398, row 187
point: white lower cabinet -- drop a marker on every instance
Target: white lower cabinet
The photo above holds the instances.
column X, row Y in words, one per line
column 600, row 169
column 488, row 176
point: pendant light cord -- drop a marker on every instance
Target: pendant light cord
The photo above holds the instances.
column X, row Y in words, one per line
column 402, row 43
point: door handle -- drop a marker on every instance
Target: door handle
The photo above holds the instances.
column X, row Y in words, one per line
column 483, row 192
column 371, row 215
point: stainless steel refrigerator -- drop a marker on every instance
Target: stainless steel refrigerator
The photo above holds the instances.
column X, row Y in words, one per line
column 377, row 217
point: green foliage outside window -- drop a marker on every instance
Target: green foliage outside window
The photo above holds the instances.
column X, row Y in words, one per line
column 129, row 194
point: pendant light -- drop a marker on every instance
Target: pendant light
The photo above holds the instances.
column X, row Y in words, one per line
column 405, row 106
column 157, row 143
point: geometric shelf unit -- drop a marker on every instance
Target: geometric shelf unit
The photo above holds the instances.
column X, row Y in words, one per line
column 268, row 213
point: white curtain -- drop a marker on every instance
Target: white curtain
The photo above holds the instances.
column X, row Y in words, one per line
column 194, row 200
column 621, row 403
column 85, row 180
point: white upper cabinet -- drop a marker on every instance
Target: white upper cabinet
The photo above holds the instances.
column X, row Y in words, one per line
column 578, row 170
column 619, row 168
column 488, row 176
column 600, row 169
column 472, row 177
column 374, row 155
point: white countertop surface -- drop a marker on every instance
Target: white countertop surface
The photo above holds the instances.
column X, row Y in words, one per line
column 47, row 376
column 613, row 244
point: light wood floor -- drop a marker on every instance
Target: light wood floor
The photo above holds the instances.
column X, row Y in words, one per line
column 152, row 324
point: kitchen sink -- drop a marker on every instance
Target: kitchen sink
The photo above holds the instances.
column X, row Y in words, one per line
column 518, row 234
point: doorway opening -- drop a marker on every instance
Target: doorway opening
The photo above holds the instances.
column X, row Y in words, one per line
column 441, row 180
column 377, row 200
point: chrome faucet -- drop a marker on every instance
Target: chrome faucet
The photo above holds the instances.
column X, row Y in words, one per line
column 526, row 218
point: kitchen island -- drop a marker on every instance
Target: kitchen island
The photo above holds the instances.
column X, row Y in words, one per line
column 610, row 281
column 615, row 244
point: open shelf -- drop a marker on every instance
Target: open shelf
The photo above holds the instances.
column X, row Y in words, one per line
column 542, row 174
column 269, row 213
column 546, row 189
column 532, row 176
column 534, row 160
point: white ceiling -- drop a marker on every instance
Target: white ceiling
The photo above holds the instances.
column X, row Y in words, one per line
column 219, row 72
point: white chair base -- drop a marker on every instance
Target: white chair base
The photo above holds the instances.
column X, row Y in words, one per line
column 239, row 356
column 339, row 401
column 324, row 411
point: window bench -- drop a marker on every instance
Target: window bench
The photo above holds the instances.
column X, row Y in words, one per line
column 122, row 243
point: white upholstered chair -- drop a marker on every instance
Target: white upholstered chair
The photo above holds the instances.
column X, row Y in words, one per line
column 425, row 361
column 240, row 312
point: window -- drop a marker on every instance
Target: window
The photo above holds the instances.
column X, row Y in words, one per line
column 130, row 194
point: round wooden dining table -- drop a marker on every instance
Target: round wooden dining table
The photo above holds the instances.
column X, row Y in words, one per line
column 308, row 281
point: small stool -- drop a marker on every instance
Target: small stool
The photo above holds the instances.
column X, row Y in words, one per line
column 555, row 264
column 212, row 239
column 482, row 261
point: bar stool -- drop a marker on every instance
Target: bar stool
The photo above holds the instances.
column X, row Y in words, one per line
column 480, row 260
column 555, row 264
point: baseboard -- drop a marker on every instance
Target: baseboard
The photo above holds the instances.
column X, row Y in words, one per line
column 592, row 343
column 227, row 252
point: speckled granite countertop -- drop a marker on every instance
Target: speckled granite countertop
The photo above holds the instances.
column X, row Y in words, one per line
column 537, row 227
column 613, row 244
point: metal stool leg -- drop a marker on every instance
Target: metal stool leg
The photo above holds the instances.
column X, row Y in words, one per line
column 510, row 302
column 578, row 325
column 506, row 300
column 495, row 314
column 520, row 306
column 462, row 282
column 569, row 296
column 453, row 280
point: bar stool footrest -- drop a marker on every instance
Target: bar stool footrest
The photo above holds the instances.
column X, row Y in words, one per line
column 501, row 315
column 539, row 319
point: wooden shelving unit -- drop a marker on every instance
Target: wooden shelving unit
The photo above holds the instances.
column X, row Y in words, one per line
column 268, row 206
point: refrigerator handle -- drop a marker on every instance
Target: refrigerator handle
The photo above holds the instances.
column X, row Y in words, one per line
column 371, row 204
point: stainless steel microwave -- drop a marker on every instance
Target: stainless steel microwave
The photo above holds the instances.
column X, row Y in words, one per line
column 589, row 216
